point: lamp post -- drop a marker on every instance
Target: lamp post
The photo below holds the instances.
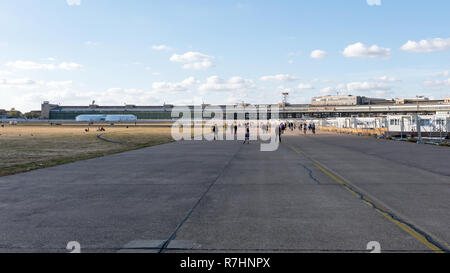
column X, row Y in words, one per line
column 418, row 123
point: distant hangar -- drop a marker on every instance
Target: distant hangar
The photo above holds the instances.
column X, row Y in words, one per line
column 106, row 118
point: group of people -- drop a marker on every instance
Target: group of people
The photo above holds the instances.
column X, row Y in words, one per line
column 99, row 129
column 302, row 126
column 234, row 129
column 310, row 127
column 266, row 127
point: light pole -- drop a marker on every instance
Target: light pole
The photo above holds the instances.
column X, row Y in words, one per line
column 418, row 122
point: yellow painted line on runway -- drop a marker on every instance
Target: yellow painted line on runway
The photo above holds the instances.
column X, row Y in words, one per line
column 412, row 232
column 372, row 204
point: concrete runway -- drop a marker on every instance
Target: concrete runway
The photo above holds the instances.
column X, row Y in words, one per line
column 228, row 197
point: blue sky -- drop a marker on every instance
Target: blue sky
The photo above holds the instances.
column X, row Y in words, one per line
column 222, row 51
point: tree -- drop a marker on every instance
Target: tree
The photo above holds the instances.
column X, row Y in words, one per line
column 31, row 115
column 13, row 113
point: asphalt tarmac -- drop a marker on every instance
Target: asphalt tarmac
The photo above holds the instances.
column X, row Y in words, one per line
column 322, row 193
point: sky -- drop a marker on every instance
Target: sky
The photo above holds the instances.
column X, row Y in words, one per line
column 150, row 52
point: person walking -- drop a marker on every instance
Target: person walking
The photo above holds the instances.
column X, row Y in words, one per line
column 214, row 129
column 278, row 132
column 247, row 136
column 313, row 127
column 305, row 127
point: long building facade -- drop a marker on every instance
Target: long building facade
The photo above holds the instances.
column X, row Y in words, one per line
column 359, row 106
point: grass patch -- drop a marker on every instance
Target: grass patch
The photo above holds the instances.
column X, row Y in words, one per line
column 25, row 148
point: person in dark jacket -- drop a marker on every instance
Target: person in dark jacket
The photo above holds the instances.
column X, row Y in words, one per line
column 247, row 136
column 279, row 131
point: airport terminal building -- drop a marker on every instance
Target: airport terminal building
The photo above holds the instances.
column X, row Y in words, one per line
column 320, row 107
column 58, row 112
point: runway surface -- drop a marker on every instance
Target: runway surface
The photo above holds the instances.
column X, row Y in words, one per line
column 322, row 193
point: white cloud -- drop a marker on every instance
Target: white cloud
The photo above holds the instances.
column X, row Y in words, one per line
column 366, row 86
column 174, row 87
column 387, row 79
column 111, row 96
column 73, row 2
column 27, row 84
column 17, row 83
column 69, row 66
column 377, row 87
column 280, row 78
column 215, row 83
column 374, row 2
column 193, row 60
column 319, row 54
column 189, row 57
column 199, row 65
column 359, row 50
column 430, row 45
column 29, row 65
column 304, row 86
column 31, row 93
column 161, row 48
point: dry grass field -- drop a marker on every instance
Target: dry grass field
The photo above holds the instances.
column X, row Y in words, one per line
column 28, row 147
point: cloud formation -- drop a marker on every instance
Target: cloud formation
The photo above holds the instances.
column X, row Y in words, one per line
column 28, row 84
column 366, row 86
column 319, row 54
column 29, row 65
column 280, row 78
column 193, row 60
column 360, row 50
column 426, row 46
column 378, row 86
